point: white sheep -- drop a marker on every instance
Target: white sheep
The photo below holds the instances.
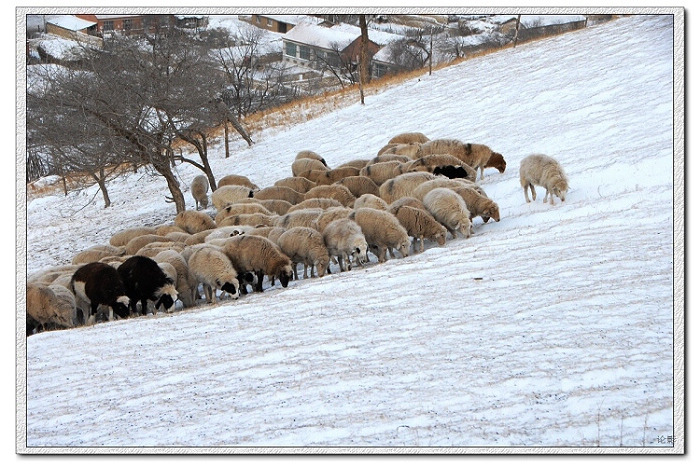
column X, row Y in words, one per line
column 96, row 252
column 441, row 182
column 154, row 248
column 382, row 171
column 370, row 201
column 261, row 256
column 235, row 179
column 228, row 231
column 278, row 207
column 545, row 171
column 336, row 192
column 409, row 137
column 135, row 244
column 406, row 201
column 359, row 185
column 199, row 188
column 166, row 229
column 389, row 157
column 403, row 185
column 51, row 305
column 194, row 221
column 253, row 220
column 345, row 240
column 306, row 217
column 476, row 155
column 308, row 154
column 241, row 208
column 299, row 166
column 412, row 150
column 421, row 225
column 382, row 231
column 305, row 245
column 199, row 237
column 122, row 237
column 450, row 210
column 356, row 163
column 212, row 268
column 330, row 215
column 298, row 184
column 46, row 275
column 229, row 194
column 279, row 193
column 183, row 281
column 322, row 203
column 478, row 204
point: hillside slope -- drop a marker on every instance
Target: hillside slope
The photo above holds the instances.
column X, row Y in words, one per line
column 551, row 328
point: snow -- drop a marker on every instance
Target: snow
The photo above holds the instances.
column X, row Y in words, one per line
column 553, row 328
column 70, row 22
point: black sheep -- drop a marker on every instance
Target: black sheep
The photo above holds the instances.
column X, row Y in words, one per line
column 98, row 283
column 451, row 172
column 144, row 280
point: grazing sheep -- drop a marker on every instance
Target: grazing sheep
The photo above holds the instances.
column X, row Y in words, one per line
column 449, row 209
column 345, row 240
column 478, row 204
column 167, row 268
column 306, row 217
column 199, row 189
column 308, row 154
column 194, row 221
column 334, row 175
column 330, row 215
column 254, row 220
column 154, row 248
column 228, row 231
column 389, row 157
column 438, row 162
column 302, row 165
column 412, row 150
column 95, row 253
column 336, row 192
column 278, row 207
column 213, row 269
column 474, row 154
column 382, row 231
column 370, row 201
column 263, row 231
column 359, row 185
column 382, row 171
column 280, row 193
column 178, row 236
column 47, row 275
column 260, row 256
column 545, row 171
column 96, row 284
column 198, row 238
column 421, row 225
column 406, row 201
column 356, row 163
column 440, row 182
column 230, row 194
column 51, row 305
column 305, row 245
column 234, row 179
column 183, row 280
column 123, row 237
column 241, row 208
column 143, row 281
column 64, row 280
column 137, row 243
column 402, row 185
column 322, row 203
column 166, row 229
column 298, row 184
column 409, row 137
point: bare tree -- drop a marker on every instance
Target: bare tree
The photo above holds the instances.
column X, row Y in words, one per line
column 365, row 74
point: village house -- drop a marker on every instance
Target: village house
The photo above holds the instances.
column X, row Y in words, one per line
column 279, row 23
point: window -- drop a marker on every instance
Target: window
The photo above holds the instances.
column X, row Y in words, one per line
column 291, row 49
column 108, row 26
column 128, row 24
column 304, row 52
column 269, row 22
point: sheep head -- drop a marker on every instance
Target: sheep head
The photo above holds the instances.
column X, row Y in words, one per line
column 121, row 306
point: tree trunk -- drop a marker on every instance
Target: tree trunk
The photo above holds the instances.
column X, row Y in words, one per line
column 517, row 28
column 102, row 183
column 178, row 198
column 364, row 41
column 226, row 145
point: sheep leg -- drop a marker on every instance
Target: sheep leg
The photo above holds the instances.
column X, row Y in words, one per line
column 259, row 285
column 422, row 244
column 534, row 194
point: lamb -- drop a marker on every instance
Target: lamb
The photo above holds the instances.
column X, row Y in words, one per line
column 306, row 218
column 241, row 208
column 345, row 240
column 420, row 191
column 137, row 243
column 444, row 164
column 370, row 201
column 330, row 215
column 261, row 256
column 123, row 237
column 194, row 221
column 382, row 231
column 322, row 203
column 229, row 194
column 95, row 253
column 298, row 184
column 474, row 154
column 95, row 284
column 308, row 154
column 382, row 171
column 213, row 269
column 184, row 281
column 449, row 209
column 545, row 171
column 299, row 166
column 478, row 204
column 279, row 193
column 235, row 179
column 305, row 245
column 336, row 192
column 409, row 137
column 51, row 305
column 402, row 185
column 254, row 220
column 199, row 188
column 421, row 225
column 143, row 281
column 359, row 185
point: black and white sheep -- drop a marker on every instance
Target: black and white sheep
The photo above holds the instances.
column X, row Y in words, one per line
column 199, row 189
column 261, row 256
column 50, row 306
column 212, row 268
column 183, row 281
column 442, row 164
column 383, row 232
column 545, row 171
column 450, row 210
column 143, row 281
column 306, row 246
column 345, row 240
column 96, row 284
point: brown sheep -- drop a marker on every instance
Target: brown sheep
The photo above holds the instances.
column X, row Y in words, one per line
column 258, row 255
column 194, row 221
column 474, row 154
column 299, row 184
column 381, row 172
column 409, row 137
column 235, row 179
column 336, row 192
column 359, row 185
column 402, row 185
column 279, row 193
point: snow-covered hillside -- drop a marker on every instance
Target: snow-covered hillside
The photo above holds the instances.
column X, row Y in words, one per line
column 551, row 328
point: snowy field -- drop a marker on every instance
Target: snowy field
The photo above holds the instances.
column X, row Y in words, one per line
column 551, row 329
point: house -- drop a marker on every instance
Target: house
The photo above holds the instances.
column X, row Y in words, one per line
column 191, row 21
column 69, row 26
column 280, row 23
column 532, row 26
column 129, row 24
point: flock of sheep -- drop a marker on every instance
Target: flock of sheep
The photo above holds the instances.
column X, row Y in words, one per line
column 414, row 190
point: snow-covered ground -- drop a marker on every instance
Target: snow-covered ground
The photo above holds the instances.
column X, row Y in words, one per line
column 553, row 328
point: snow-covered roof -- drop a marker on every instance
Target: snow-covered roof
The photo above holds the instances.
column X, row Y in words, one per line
column 319, row 36
column 294, row 19
column 70, row 22
column 378, row 37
